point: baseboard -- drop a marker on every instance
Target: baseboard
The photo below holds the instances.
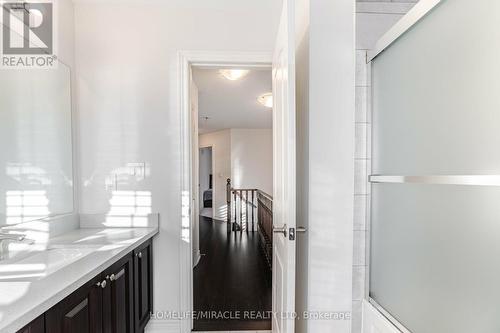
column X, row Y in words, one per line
column 160, row 326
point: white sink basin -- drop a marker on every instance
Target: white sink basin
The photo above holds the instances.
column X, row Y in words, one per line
column 36, row 265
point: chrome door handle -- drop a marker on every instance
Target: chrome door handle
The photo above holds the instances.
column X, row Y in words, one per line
column 280, row 230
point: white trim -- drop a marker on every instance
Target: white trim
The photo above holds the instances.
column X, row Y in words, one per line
column 185, row 60
column 375, row 321
column 388, row 316
column 421, row 9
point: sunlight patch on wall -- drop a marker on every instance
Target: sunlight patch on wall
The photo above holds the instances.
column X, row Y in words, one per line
column 129, row 208
column 22, row 206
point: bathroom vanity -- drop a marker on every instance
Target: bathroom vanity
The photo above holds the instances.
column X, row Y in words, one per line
column 87, row 280
column 117, row 300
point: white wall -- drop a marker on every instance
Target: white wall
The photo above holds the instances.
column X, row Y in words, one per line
column 220, row 142
column 205, row 171
column 331, row 152
column 325, row 111
column 252, row 159
column 128, row 91
column 245, row 156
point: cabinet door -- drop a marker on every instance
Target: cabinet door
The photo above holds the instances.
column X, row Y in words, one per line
column 80, row 312
column 36, row 326
column 118, row 297
column 143, row 285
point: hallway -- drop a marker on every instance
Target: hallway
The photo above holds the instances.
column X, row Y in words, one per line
column 232, row 277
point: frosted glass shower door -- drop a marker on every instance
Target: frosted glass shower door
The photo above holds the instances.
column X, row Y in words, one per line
column 435, row 216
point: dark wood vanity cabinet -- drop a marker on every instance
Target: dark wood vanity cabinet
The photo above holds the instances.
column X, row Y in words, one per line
column 119, row 300
column 36, row 326
column 118, row 297
column 143, row 280
column 80, row 312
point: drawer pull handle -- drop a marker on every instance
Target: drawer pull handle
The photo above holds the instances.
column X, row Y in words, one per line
column 118, row 275
column 102, row 284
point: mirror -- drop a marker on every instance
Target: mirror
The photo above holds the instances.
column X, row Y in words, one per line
column 36, row 162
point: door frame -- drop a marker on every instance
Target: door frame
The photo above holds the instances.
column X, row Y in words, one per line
column 186, row 60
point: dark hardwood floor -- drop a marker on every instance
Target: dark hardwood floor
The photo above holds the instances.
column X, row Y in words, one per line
column 232, row 278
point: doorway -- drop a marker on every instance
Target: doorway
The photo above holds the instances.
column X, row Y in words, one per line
column 206, row 189
column 283, row 157
column 232, row 277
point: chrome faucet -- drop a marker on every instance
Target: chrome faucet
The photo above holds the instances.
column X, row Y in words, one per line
column 4, row 238
column 12, row 237
column 19, row 238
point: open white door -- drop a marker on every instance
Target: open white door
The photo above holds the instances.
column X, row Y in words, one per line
column 284, row 173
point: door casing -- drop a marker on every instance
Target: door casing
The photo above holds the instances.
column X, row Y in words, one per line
column 186, row 60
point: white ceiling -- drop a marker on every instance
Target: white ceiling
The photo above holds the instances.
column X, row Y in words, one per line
column 232, row 104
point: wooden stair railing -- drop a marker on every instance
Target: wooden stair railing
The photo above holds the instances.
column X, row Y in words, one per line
column 243, row 200
column 251, row 205
column 265, row 223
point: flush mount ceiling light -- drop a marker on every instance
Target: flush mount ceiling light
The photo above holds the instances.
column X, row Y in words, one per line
column 233, row 74
column 266, row 100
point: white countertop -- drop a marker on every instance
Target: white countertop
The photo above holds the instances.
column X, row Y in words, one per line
column 24, row 297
